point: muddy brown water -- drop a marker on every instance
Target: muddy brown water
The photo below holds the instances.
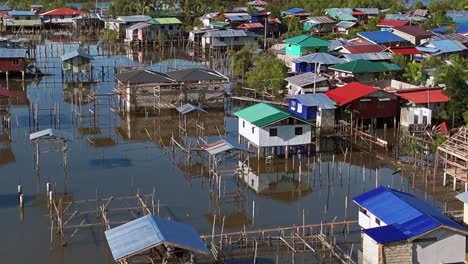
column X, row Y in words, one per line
column 128, row 160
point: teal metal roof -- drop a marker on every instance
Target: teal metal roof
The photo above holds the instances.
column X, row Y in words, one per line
column 263, row 114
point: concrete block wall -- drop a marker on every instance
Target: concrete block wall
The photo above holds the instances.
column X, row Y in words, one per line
column 396, row 253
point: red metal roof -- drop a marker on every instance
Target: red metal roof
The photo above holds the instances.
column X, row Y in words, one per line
column 64, row 11
column 350, row 92
column 405, row 51
column 424, row 97
column 392, row 23
column 274, row 20
column 358, row 13
column 357, row 49
column 250, row 26
column 414, row 31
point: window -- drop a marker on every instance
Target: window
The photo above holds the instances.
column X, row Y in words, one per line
column 15, row 62
column 293, row 105
column 298, row 131
column 416, row 119
column 236, row 38
column 171, row 27
column 273, row 132
column 221, row 39
column 62, row 17
column 299, row 108
column 253, row 130
column 362, row 210
column 377, row 221
column 425, row 120
column 243, row 123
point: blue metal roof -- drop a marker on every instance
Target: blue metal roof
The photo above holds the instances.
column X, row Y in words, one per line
column 21, row 13
column 372, row 56
column 5, row 8
column 321, row 58
column 408, row 216
column 13, row 53
column 458, row 16
column 151, row 231
column 318, row 99
column 293, row 10
column 459, row 28
column 187, row 108
column 76, row 53
column 380, row 37
column 438, row 47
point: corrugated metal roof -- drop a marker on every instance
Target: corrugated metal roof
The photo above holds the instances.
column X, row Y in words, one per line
column 307, row 41
column 342, row 14
column 320, row 20
column 21, row 13
column 150, row 231
column 5, row 8
column 453, row 36
column 350, row 92
column 262, row 114
column 356, row 49
column 405, row 51
column 318, row 99
column 166, row 20
column 345, row 24
column 420, row 12
column 237, row 18
column 50, row 132
column 231, row 33
column 458, row 16
column 187, row 108
column 250, row 26
column 392, row 23
column 132, row 19
column 408, row 216
column 143, row 77
column 64, row 11
column 305, row 79
column 373, row 56
column 463, row 197
column 76, row 53
column 294, row 10
column 223, row 146
column 438, row 47
column 322, row 58
column 380, row 37
column 363, row 66
column 197, row 75
column 424, row 97
column 13, row 53
column 406, row 17
column 369, row 11
column 138, row 25
column 414, row 31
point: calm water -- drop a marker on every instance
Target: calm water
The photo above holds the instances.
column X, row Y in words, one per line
column 132, row 161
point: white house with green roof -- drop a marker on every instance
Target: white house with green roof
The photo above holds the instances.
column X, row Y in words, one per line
column 305, row 44
column 265, row 125
column 168, row 25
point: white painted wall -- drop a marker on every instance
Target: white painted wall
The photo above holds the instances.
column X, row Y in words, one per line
column 368, row 221
column 59, row 19
column 407, row 116
column 449, row 248
column 286, row 136
column 370, row 250
column 245, row 130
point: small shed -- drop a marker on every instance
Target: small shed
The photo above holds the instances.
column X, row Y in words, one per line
column 77, row 62
column 13, row 60
column 400, row 228
column 414, row 116
column 308, row 82
column 304, row 44
column 168, row 240
column 317, row 107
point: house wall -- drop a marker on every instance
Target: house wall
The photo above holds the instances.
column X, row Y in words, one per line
column 23, row 21
column 398, row 252
column 7, row 64
column 292, row 49
column 449, row 248
column 408, row 37
column 286, row 136
column 368, row 220
column 59, row 19
column 372, row 107
column 169, row 29
column 370, row 250
column 245, row 130
column 218, row 42
column 465, row 213
column 301, row 110
column 325, row 119
column 407, row 116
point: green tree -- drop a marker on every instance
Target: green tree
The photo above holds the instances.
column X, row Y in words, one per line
column 294, row 27
column 400, row 59
column 454, row 76
column 242, row 60
column 269, row 72
column 413, row 73
column 134, row 7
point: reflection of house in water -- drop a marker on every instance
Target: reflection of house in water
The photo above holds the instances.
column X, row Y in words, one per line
column 278, row 179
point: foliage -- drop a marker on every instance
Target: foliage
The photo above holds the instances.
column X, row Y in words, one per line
column 413, row 73
column 439, row 139
column 372, row 24
column 134, row 7
column 242, row 60
column 453, row 75
column 161, row 38
column 269, row 72
column 110, row 35
column 413, row 147
column 87, row 6
column 431, row 62
column 400, row 59
column 294, row 27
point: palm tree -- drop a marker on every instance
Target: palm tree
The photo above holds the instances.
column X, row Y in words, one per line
column 413, row 73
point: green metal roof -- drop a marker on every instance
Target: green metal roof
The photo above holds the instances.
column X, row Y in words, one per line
column 165, row 21
column 220, row 24
column 307, row 41
column 362, row 66
column 263, row 114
